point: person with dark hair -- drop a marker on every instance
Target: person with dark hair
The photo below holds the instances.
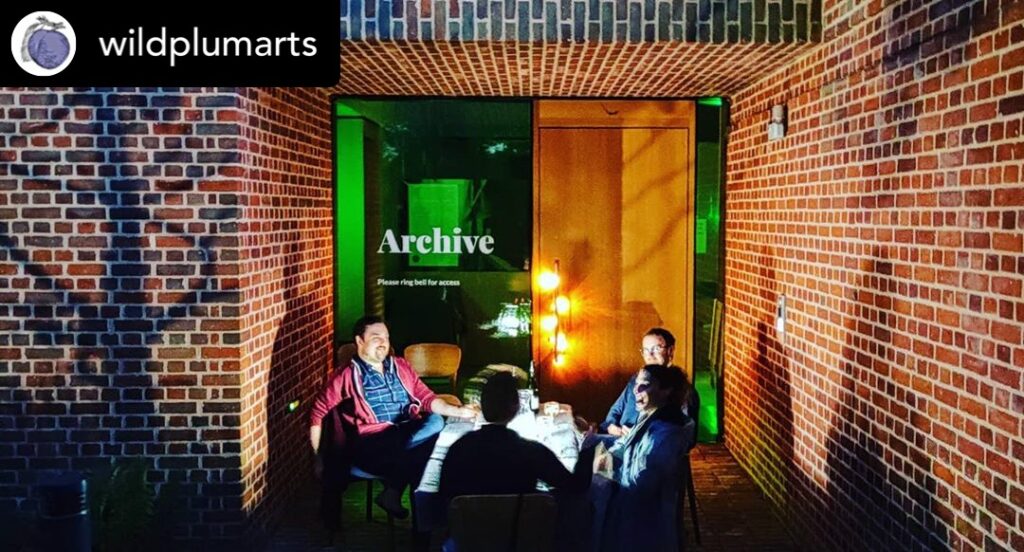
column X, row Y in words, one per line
column 392, row 416
column 640, row 512
column 496, row 460
column 657, row 347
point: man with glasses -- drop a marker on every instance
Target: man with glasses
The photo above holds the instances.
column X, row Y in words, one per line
column 657, row 347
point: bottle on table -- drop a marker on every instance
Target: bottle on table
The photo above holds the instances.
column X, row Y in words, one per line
column 534, row 395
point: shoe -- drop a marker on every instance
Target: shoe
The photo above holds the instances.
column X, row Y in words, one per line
column 390, row 501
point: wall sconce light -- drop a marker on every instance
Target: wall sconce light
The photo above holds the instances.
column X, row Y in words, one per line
column 777, row 123
column 561, row 343
column 549, row 280
column 555, row 322
column 561, row 305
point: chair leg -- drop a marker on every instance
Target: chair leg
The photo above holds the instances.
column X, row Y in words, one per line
column 391, row 533
column 693, row 502
column 331, row 508
column 681, row 529
column 369, row 500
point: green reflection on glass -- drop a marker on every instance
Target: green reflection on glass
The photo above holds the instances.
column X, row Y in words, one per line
column 714, row 101
column 349, row 228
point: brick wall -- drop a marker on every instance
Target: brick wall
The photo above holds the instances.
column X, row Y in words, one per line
column 890, row 216
column 593, row 70
column 119, row 298
column 287, row 282
column 709, row 21
column 164, row 291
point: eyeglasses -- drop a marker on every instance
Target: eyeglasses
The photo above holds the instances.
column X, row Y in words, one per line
column 653, row 350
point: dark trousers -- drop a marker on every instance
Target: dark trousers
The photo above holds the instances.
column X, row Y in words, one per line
column 399, row 454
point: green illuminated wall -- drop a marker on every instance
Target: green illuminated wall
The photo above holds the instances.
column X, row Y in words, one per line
column 708, row 257
column 349, row 221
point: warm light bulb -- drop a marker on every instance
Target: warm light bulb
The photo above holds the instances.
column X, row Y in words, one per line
column 562, row 305
column 561, row 343
column 559, row 359
column 548, row 322
column 548, row 280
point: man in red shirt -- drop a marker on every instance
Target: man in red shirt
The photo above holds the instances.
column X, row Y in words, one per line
column 393, row 416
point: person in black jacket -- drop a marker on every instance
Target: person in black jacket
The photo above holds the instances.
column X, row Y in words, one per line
column 496, row 460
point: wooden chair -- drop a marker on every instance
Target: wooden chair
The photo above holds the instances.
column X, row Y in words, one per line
column 333, row 488
column 331, row 504
column 435, row 360
column 343, row 354
column 484, row 523
column 472, row 388
column 686, row 491
column 516, row 371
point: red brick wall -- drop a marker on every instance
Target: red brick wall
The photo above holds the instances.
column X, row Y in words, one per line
column 165, row 291
column 287, row 282
column 890, row 216
column 592, row 70
column 119, row 296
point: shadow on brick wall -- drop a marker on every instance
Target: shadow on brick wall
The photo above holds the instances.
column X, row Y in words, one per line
column 96, row 387
column 289, row 458
column 775, row 406
column 880, row 487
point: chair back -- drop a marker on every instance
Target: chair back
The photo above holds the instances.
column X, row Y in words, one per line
column 693, row 411
column 343, row 355
column 516, row 371
column 336, row 437
column 471, row 393
column 434, row 360
column 491, row 523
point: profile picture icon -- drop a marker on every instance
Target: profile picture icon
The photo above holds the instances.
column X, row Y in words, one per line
column 43, row 43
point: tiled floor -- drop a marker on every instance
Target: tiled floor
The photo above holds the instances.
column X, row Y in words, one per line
column 733, row 516
column 732, row 513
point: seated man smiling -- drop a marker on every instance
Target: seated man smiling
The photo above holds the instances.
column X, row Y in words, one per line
column 393, row 413
column 639, row 511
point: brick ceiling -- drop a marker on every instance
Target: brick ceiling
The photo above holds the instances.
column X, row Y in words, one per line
column 660, row 69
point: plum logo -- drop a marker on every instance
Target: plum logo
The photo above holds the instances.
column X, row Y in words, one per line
column 43, row 43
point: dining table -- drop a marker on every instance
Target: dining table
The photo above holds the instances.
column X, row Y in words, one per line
column 552, row 425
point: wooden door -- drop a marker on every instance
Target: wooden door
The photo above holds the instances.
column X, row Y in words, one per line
column 613, row 195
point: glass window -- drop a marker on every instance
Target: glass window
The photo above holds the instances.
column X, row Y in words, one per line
column 434, row 223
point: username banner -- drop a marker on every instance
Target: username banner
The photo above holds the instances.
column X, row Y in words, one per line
column 179, row 43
